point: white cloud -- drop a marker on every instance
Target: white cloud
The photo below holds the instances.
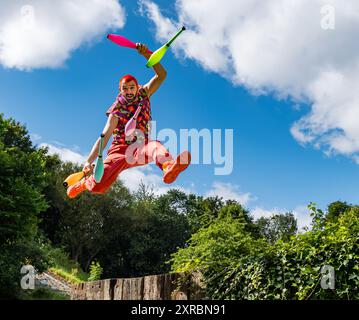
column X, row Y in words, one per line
column 41, row 33
column 134, row 176
column 65, row 154
column 279, row 47
column 301, row 213
column 356, row 159
column 259, row 212
column 228, row 191
column 35, row 137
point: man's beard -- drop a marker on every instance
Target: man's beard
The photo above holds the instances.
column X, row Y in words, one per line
column 130, row 97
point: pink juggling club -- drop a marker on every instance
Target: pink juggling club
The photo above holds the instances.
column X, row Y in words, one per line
column 131, row 124
column 122, row 41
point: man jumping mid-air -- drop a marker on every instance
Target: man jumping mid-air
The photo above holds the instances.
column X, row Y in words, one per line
column 131, row 151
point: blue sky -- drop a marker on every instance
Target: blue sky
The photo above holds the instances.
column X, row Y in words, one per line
column 65, row 107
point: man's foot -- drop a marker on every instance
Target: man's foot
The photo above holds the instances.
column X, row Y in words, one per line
column 172, row 169
column 74, row 190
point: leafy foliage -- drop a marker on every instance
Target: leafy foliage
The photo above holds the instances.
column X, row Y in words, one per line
column 335, row 209
column 61, row 264
column 95, row 271
column 278, row 226
column 237, row 266
column 157, row 228
column 22, row 179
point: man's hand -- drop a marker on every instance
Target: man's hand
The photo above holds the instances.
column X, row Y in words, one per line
column 142, row 49
column 108, row 130
column 152, row 86
column 88, row 168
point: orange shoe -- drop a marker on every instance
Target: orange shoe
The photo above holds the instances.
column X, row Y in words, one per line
column 172, row 169
column 74, row 190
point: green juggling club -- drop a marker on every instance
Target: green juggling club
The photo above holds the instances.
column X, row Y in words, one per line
column 159, row 53
column 99, row 169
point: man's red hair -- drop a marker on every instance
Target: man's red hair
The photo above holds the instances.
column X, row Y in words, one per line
column 128, row 78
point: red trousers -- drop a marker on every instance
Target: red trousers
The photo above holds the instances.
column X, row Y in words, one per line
column 122, row 157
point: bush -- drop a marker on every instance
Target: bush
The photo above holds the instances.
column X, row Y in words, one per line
column 61, row 264
column 95, row 271
column 236, row 266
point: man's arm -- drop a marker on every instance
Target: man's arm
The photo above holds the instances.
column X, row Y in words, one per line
column 152, row 86
column 108, row 130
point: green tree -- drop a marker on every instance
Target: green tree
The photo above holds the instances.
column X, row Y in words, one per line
column 55, row 196
column 335, row 209
column 236, row 211
column 116, row 214
column 158, row 227
column 202, row 211
column 22, row 180
column 278, row 226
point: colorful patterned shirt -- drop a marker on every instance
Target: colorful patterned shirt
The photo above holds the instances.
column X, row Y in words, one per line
column 124, row 111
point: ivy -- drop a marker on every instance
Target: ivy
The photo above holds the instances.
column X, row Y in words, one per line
column 237, row 266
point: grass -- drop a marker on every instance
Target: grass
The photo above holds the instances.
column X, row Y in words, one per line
column 74, row 276
column 63, row 266
column 43, row 294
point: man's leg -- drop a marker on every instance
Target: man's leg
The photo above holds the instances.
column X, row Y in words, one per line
column 155, row 151
column 114, row 163
column 142, row 154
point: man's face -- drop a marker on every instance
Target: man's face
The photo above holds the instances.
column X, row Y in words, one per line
column 129, row 90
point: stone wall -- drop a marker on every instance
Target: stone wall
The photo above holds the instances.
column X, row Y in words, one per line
column 171, row 286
